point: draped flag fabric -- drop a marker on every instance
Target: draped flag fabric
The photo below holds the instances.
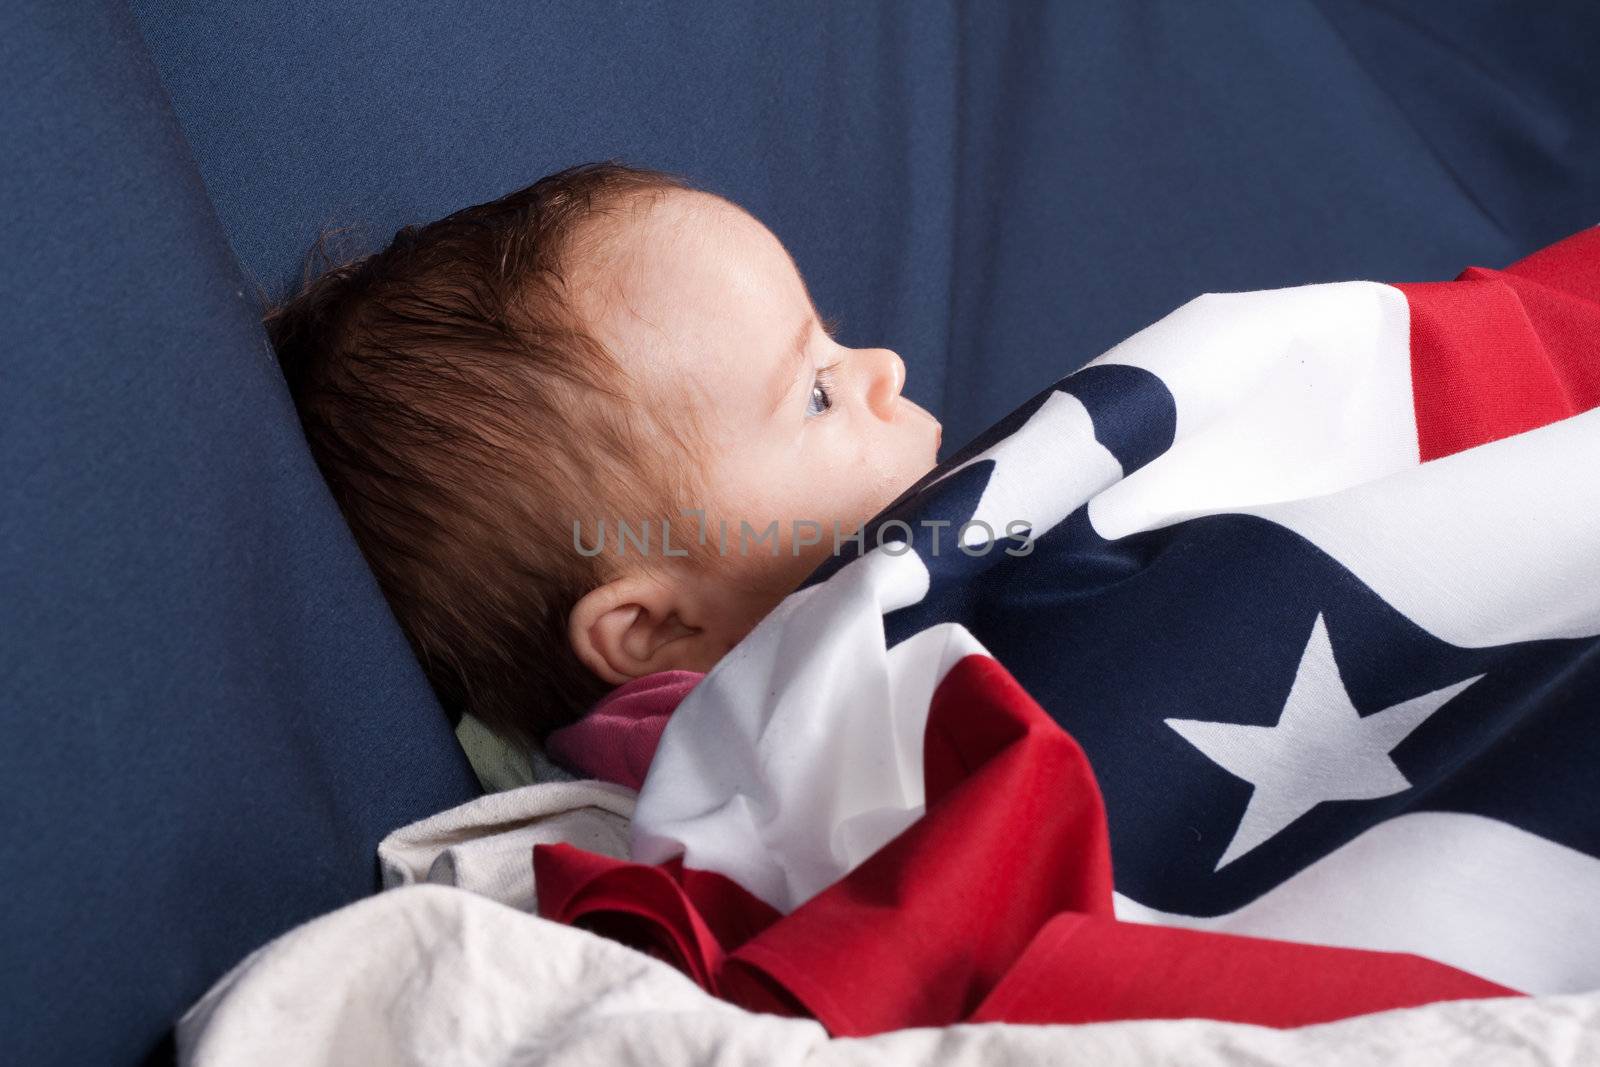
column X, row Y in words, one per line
column 1283, row 708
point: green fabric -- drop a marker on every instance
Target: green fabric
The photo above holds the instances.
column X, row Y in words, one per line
column 500, row 766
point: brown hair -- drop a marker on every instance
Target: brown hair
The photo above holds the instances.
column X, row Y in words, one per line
column 463, row 419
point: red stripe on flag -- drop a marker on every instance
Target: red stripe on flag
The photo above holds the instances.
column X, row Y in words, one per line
column 1080, row 969
column 1496, row 353
column 1014, row 832
column 995, row 906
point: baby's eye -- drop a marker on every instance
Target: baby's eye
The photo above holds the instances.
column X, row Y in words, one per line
column 821, row 393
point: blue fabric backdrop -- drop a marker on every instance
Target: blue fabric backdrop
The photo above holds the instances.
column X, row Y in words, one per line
column 210, row 715
column 997, row 190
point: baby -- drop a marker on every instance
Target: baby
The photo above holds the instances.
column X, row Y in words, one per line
column 493, row 390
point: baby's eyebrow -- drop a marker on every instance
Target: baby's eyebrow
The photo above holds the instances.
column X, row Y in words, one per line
column 789, row 368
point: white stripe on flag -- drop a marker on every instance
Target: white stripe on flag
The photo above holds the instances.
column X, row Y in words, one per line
column 1050, row 467
column 1280, row 394
column 1469, row 891
column 1496, row 544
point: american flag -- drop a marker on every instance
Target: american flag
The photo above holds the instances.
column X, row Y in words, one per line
column 1284, row 707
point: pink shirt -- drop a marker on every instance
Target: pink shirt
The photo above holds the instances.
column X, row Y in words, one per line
column 617, row 738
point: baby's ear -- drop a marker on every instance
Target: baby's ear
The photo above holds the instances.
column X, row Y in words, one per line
column 635, row 625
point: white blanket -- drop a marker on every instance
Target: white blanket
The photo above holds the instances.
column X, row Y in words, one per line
column 459, row 973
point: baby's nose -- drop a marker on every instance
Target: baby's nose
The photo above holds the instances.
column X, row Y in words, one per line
column 888, row 378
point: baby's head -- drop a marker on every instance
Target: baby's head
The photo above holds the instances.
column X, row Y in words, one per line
column 606, row 344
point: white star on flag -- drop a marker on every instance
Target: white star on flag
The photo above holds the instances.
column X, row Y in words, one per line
column 1321, row 748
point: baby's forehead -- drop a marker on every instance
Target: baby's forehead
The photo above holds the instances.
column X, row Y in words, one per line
column 681, row 263
column 699, row 239
column 649, row 241
column 696, row 301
